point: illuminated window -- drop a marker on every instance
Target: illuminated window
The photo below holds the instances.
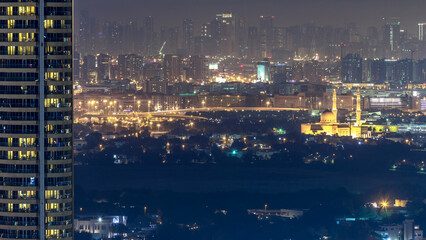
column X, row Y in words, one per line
column 54, row 102
column 52, row 206
column 49, row 127
column 52, row 194
column 11, row 50
column 9, row 11
column 10, row 37
column 25, row 50
column 52, row 233
column 26, row 194
column 49, row 219
column 52, row 76
column 27, row 11
column 27, row 155
column 26, row 37
column 10, row 24
column 48, row 24
column 24, row 206
column 25, row 142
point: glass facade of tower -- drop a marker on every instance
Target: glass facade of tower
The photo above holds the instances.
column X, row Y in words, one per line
column 36, row 162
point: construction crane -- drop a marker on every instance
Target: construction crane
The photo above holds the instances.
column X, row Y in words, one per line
column 161, row 49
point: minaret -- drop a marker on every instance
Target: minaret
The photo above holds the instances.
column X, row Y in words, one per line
column 335, row 105
column 358, row 109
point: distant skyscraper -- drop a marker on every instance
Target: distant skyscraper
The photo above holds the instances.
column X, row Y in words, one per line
column 188, row 36
column 169, row 36
column 297, row 70
column 266, row 29
column 130, row 67
column 263, row 71
column 372, row 51
column 241, row 35
column 378, row 71
column 76, row 68
column 93, row 36
column 279, row 74
column 36, row 115
column 422, row 31
column 148, row 27
column 253, row 43
column 116, row 43
column 226, row 34
column 152, row 71
column 199, row 68
column 209, row 38
column 421, row 71
column 130, row 37
column 173, row 68
column 312, row 71
column 392, row 37
column 88, row 70
column 403, row 72
column 103, row 66
column 83, row 32
column 352, row 69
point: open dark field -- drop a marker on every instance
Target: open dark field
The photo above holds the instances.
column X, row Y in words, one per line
column 210, row 178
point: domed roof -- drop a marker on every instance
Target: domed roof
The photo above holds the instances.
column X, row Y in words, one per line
column 328, row 117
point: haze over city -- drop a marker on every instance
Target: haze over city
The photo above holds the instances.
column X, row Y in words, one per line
column 288, row 12
column 212, row 120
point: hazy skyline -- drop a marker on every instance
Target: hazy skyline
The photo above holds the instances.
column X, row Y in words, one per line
column 288, row 12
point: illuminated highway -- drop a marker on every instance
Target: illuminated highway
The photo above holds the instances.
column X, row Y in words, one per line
column 236, row 109
column 181, row 113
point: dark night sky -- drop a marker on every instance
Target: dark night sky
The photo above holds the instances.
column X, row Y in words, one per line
column 288, row 12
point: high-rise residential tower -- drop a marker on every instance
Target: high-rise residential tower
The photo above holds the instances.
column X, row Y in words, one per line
column 352, row 68
column 392, row 37
column 173, row 68
column 36, row 161
column 225, row 33
column 266, row 35
column 148, row 26
column 188, row 36
column 422, row 31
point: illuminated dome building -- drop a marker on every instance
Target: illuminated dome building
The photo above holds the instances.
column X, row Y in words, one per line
column 329, row 124
column 328, row 117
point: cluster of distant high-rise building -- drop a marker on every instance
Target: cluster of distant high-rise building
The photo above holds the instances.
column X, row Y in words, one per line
column 173, row 68
column 230, row 35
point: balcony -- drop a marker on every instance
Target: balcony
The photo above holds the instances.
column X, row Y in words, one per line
column 18, row 223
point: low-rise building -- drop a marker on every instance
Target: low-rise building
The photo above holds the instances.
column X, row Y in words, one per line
column 99, row 227
column 284, row 213
column 390, row 232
